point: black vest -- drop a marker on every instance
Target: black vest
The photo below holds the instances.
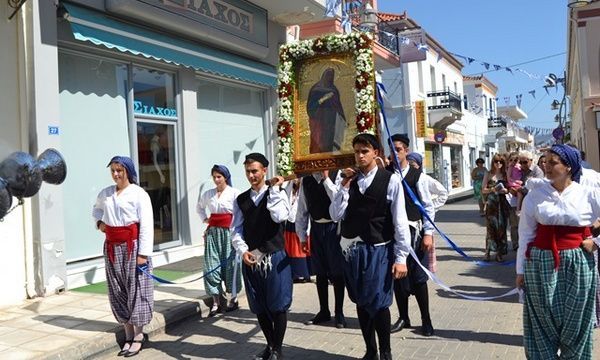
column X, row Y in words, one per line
column 317, row 200
column 260, row 231
column 369, row 215
column 412, row 211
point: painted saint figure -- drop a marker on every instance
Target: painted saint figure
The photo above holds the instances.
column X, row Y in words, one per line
column 323, row 108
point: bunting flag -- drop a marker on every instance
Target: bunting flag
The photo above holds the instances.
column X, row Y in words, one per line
column 422, row 47
column 497, row 67
column 470, row 60
column 532, row 92
column 486, row 65
column 509, row 70
column 519, row 97
column 507, row 100
column 331, row 7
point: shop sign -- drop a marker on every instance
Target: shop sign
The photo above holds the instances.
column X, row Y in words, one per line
column 420, row 117
column 440, row 136
column 238, row 17
column 140, row 108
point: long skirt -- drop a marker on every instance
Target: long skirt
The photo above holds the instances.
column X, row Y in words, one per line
column 497, row 213
column 217, row 251
column 269, row 290
column 325, row 251
column 299, row 258
column 368, row 275
column 559, row 305
column 130, row 292
column 597, row 317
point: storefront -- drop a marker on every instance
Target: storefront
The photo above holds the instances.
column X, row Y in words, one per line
column 175, row 106
column 446, row 162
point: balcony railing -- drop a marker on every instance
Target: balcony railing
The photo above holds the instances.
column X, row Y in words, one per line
column 445, row 100
column 496, row 122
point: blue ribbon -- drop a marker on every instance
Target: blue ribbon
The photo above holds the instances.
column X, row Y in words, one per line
column 380, row 90
column 144, row 269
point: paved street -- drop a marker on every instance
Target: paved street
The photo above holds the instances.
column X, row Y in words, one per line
column 464, row 329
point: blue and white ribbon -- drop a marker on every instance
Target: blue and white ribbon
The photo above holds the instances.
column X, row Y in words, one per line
column 433, row 277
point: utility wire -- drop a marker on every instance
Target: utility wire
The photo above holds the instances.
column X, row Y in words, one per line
column 523, row 63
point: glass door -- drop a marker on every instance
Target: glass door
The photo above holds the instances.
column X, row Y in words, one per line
column 156, row 128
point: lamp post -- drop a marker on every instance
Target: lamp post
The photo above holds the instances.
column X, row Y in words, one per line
column 559, row 133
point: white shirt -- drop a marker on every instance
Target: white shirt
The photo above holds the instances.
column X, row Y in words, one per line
column 133, row 205
column 395, row 194
column 576, row 206
column 293, row 200
column 439, row 194
column 277, row 204
column 303, row 216
column 425, row 197
column 216, row 204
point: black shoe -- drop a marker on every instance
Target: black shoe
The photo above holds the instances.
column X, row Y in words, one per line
column 370, row 356
column 214, row 312
column 123, row 352
column 340, row 321
column 263, row 355
column 233, row 307
column 427, row 329
column 141, row 342
column 276, row 355
column 321, row 317
column 386, row 355
column 399, row 325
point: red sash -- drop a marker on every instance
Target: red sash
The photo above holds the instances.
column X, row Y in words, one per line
column 120, row 234
column 558, row 237
column 220, row 220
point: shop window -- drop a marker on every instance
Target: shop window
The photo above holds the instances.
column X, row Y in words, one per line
column 456, row 166
column 431, row 163
column 93, row 129
column 154, row 94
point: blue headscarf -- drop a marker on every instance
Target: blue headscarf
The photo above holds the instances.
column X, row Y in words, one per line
column 570, row 156
column 127, row 163
column 416, row 157
column 223, row 170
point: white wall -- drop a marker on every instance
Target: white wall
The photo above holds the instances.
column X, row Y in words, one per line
column 12, row 229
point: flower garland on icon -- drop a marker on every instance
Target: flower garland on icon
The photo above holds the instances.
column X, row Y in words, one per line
column 359, row 44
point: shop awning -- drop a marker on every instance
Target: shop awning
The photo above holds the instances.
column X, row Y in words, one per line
column 100, row 29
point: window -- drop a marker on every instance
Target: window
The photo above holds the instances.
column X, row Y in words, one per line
column 455, row 88
column 465, row 102
column 485, row 108
column 456, row 166
column 444, row 82
column 420, row 71
column 433, row 86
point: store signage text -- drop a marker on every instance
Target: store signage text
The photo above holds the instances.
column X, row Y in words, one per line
column 217, row 10
column 140, row 108
column 420, row 115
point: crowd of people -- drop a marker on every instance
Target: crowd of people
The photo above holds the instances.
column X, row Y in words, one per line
column 358, row 230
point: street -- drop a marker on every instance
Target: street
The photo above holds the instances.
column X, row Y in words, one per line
column 464, row 329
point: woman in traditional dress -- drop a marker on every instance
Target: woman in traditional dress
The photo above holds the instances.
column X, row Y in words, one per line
column 495, row 187
column 555, row 265
column 124, row 213
column 298, row 253
column 477, row 175
column 217, row 248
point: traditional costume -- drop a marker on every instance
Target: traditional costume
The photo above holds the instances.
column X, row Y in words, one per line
column 560, row 279
column 297, row 251
column 129, row 233
column 416, row 281
column 375, row 235
column 258, row 228
column 217, row 249
column 326, row 255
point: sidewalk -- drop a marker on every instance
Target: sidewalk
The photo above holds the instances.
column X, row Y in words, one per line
column 78, row 325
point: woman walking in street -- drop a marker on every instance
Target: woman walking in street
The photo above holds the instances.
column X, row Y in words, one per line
column 477, row 175
column 217, row 248
column 495, row 188
column 555, row 265
column 124, row 213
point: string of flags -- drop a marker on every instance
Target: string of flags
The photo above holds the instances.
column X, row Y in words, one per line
column 536, row 131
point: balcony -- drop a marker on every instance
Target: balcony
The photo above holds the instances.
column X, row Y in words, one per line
column 496, row 122
column 444, row 110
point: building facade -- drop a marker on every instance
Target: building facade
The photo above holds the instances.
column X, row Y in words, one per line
column 176, row 85
column 583, row 79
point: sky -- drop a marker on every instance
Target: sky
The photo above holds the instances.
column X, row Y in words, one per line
column 502, row 32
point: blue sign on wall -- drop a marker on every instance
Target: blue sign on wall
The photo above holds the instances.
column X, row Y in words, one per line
column 52, row 130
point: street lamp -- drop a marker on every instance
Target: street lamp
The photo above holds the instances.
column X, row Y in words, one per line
column 578, row 3
column 555, row 105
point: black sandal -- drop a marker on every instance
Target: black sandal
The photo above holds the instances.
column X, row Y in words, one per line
column 134, row 353
column 123, row 352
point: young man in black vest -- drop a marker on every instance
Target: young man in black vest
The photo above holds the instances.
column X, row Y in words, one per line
column 422, row 241
column 375, row 241
column 326, row 257
column 257, row 235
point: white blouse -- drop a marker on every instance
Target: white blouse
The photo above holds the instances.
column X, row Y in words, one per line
column 133, row 205
column 216, row 204
column 577, row 205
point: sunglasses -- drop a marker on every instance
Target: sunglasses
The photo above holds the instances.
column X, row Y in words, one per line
column 524, row 162
column 499, row 161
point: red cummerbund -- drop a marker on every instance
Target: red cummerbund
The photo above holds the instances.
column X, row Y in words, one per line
column 220, row 220
column 558, row 237
column 118, row 235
